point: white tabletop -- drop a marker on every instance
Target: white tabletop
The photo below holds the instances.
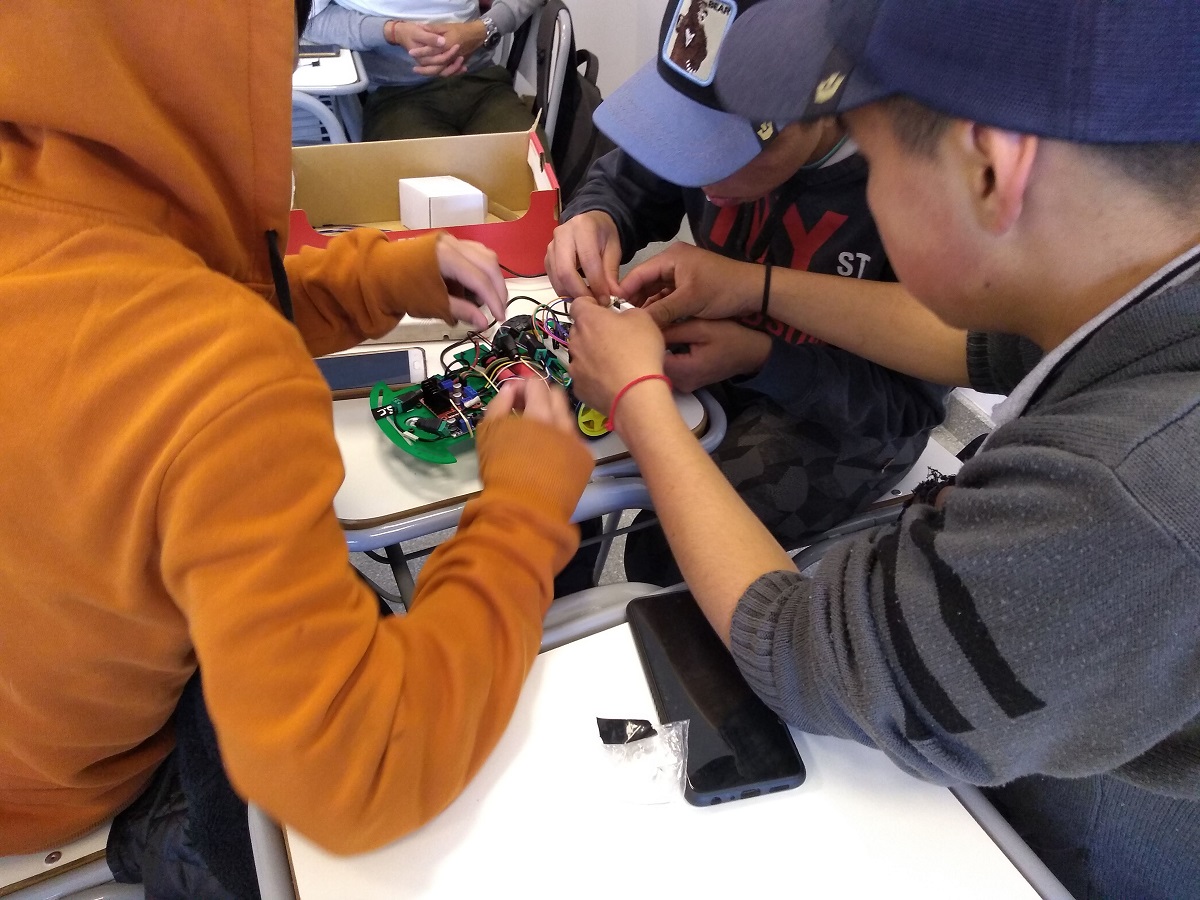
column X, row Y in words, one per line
column 341, row 74
column 541, row 819
column 384, row 484
column 52, row 862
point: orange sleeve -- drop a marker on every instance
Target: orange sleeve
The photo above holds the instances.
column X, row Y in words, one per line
column 352, row 728
column 361, row 284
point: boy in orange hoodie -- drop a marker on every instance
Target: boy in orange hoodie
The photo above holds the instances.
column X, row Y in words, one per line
column 166, row 425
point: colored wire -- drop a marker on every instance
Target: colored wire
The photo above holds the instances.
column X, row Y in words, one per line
column 504, row 365
column 462, row 413
column 477, row 342
column 529, row 363
column 518, row 274
column 486, row 377
column 550, row 334
column 549, row 314
column 458, row 343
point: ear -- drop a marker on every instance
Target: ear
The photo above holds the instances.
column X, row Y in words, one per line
column 1003, row 163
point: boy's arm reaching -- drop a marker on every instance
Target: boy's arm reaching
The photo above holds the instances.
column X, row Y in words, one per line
column 880, row 321
column 644, row 207
column 362, row 283
column 720, row 545
column 350, row 727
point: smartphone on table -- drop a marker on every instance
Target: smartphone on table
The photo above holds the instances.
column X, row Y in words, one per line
column 737, row 747
column 353, row 372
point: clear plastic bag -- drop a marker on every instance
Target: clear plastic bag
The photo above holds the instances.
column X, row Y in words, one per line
column 646, row 764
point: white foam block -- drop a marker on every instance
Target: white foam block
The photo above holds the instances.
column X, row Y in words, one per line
column 439, row 201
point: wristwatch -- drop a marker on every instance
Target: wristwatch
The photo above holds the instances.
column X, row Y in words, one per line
column 491, row 32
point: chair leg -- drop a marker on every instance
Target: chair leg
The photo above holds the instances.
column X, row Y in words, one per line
column 404, row 578
column 609, row 524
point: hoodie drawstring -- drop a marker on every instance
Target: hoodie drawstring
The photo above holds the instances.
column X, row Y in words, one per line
column 279, row 275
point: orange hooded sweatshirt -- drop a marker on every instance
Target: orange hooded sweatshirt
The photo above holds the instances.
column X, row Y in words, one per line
column 167, row 461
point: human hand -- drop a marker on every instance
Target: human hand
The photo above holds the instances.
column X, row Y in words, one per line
column 685, row 280
column 473, row 279
column 716, row 349
column 434, row 54
column 439, row 65
column 609, row 349
column 467, row 36
column 536, row 400
column 588, row 241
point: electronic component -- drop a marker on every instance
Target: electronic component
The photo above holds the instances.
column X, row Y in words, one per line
column 430, row 421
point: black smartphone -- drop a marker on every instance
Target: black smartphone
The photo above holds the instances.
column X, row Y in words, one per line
column 737, row 747
column 354, row 372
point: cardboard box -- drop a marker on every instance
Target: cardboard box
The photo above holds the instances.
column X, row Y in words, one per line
column 339, row 186
column 440, row 201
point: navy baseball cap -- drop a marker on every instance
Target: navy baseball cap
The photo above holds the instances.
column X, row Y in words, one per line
column 1088, row 71
column 668, row 116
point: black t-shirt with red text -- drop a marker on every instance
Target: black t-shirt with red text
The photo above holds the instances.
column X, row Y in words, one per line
column 838, row 423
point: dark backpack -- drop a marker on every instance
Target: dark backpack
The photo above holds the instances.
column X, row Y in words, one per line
column 576, row 141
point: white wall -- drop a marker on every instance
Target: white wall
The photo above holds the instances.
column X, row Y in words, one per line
column 622, row 33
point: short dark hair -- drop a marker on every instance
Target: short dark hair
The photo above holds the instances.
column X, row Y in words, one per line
column 1170, row 171
column 918, row 128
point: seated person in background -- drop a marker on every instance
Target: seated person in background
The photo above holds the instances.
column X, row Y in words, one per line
column 1031, row 629
column 430, row 63
column 166, row 421
column 815, row 433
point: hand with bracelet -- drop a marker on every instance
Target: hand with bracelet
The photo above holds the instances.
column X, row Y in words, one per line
column 433, row 51
column 613, row 354
column 687, row 281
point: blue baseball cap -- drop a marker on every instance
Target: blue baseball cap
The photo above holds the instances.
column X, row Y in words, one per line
column 668, row 116
column 1088, row 71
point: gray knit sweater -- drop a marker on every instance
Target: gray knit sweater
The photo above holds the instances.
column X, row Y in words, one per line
column 1042, row 630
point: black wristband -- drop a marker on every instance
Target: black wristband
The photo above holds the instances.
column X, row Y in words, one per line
column 766, row 287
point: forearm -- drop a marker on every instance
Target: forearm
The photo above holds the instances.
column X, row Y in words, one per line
column 509, row 14
column 720, row 545
column 346, row 28
column 644, row 208
column 875, row 646
column 360, row 285
column 388, row 718
column 880, row 321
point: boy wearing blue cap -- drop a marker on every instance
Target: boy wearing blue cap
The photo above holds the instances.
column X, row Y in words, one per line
column 815, row 433
column 1035, row 173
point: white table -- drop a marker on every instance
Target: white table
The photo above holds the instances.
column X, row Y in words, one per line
column 75, row 865
column 335, row 81
column 341, row 74
column 541, row 820
column 389, row 496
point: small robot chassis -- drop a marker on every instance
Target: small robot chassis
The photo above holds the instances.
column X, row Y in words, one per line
column 432, row 420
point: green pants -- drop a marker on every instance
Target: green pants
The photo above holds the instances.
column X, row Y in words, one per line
column 474, row 103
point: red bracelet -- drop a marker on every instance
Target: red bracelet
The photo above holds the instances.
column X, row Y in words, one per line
column 612, row 410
